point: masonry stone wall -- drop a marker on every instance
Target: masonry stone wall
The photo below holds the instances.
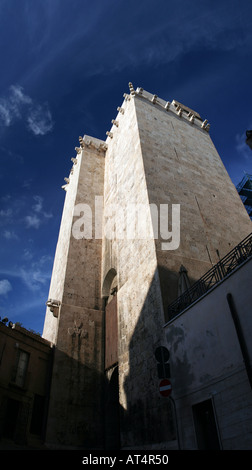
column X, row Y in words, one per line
column 155, row 152
column 76, row 394
column 157, row 156
column 182, row 166
column 146, row 419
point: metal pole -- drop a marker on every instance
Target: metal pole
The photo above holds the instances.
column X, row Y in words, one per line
column 176, row 421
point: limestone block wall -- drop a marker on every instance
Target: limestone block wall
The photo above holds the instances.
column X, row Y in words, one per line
column 156, row 152
column 146, row 419
column 161, row 153
column 56, row 290
column 75, row 409
column 182, row 166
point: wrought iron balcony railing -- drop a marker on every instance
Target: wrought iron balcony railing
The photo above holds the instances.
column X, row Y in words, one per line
column 211, row 278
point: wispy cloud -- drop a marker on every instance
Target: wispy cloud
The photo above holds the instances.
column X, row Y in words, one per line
column 40, row 120
column 10, row 235
column 17, row 105
column 5, row 286
column 6, row 213
column 35, row 219
column 176, row 31
column 34, row 273
column 37, row 207
column 37, row 274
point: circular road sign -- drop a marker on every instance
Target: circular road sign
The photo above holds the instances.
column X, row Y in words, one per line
column 165, row 388
column 162, row 354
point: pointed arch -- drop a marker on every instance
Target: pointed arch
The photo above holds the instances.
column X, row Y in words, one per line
column 107, row 283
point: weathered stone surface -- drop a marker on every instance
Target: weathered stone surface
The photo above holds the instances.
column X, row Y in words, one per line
column 155, row 153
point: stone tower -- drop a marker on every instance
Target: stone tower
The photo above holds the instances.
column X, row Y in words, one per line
column 111, row 287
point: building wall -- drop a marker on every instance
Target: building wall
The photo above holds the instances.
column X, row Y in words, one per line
column 206, row 362
column 77, row 326
column 145, row 420
column 18, row 398
column 182, row 166
column 155, row 156
column 152, row 155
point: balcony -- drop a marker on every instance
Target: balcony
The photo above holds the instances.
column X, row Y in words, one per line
column 241, row 253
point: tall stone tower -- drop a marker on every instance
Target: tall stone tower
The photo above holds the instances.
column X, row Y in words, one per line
column 111, row 286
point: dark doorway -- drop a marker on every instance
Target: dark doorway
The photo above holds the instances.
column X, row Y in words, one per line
column 112, row 417
column 205, row 426
column 11, row 416
column 111, row 340
column 37, row 415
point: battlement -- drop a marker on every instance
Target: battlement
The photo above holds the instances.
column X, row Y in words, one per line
column 175, row 107
column 85, row 142
column 179, row 109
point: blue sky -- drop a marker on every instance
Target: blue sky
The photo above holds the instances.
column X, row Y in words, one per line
column 65, row 65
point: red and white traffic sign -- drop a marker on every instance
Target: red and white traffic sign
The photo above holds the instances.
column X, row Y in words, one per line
column 165, row 388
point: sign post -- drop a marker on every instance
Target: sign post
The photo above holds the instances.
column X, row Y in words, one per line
column 165, row 388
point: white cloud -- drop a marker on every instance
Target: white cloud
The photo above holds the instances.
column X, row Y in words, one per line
column 39, row 203
column 16, row 105
column 40, row 120
column 27, row 255
column 18, row 97
column 10, row 235
column 39, row 216
column 5, row 115
column 38, row 274
column 6, row 213
column 32, row 221
column 35, row 273
column 5, row 287
column 11, row 106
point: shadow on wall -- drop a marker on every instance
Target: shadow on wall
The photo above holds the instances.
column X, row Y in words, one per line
column 86, row 412
column 76, row 408
column 149, row 418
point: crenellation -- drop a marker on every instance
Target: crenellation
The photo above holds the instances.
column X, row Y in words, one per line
column 167, row 106
column 154, row 99
column 132, row 91
column 126, row 96
column 92, row 142
column 81, row 142
column 179, row 109
column 191, row 117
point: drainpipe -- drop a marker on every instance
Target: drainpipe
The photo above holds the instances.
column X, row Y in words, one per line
column 240, row 336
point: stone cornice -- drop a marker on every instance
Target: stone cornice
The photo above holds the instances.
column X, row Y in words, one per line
column 180, row 110
column 85, row 142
